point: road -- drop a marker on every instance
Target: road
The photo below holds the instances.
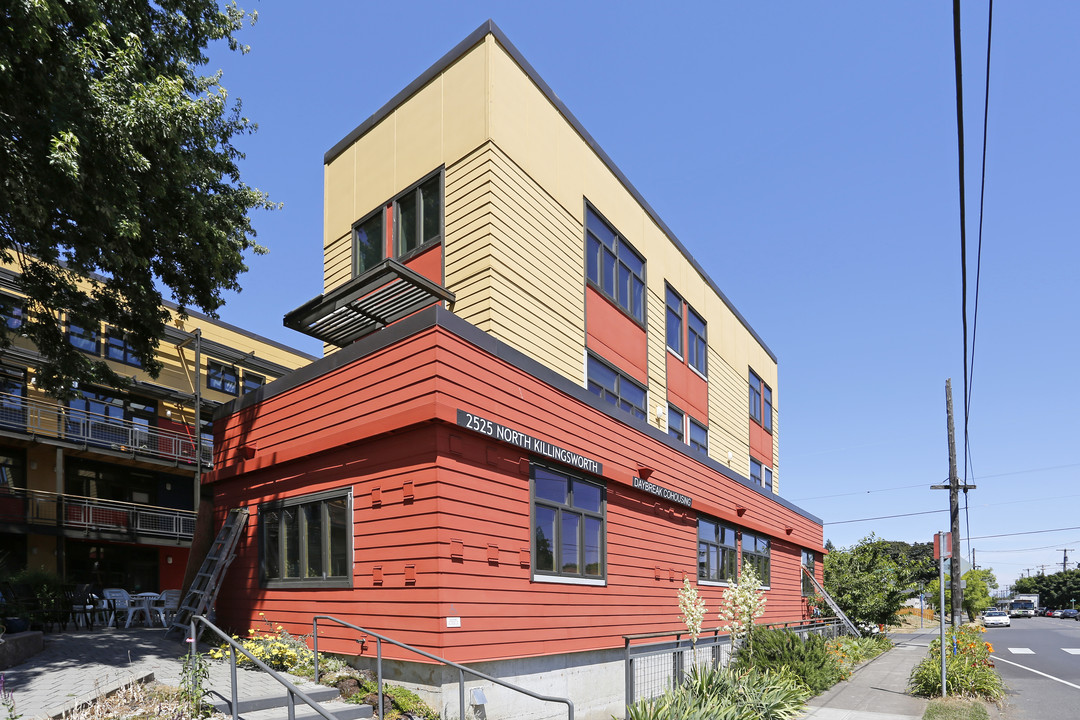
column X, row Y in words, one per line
column 1039, row 659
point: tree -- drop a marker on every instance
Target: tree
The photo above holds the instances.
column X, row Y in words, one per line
column 867, row 582
column 1059, row 590
column 976, row 596
column 119, row 172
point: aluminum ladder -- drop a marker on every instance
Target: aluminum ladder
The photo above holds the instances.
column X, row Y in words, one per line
column 204, row 588
column 832, row 603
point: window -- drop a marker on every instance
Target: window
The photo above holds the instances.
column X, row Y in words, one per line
column 221, row 377
column 118, row 349
column 13, row 399
column 307, row 541
column 676, row 423
column 568, row 525
column 755, row 553
column 613, row 266
column 696, row 345
column 416, row 218
column 12, row 310
column 252, row 381
column 699, row 437
column 82, row 337
column 717, row 554
column 760, row 474
column 674, row 322
column 808, row 561
column 12, row 469
column 616, row 388
column 760, row 402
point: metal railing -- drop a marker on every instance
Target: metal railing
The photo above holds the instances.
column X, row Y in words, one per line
column 653, row 668
column 37, row 507
column 291, row 690
column 379, row 640
column 52, row 420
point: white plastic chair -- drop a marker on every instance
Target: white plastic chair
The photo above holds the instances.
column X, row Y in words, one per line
column 120, row 604
column 167, row 605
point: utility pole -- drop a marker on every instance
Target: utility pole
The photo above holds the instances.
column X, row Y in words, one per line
column 1042, row 569
column 954, row 487
column 1065, row 559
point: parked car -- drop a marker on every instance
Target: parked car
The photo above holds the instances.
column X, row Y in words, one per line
column 996, row 618
column 1049, row 612
column 1070, row 613
column 1057, row 613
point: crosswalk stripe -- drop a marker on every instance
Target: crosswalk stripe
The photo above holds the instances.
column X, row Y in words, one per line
column 1072, row 651
column 1021, row 651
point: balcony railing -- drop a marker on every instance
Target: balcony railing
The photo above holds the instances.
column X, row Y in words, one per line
column 19, row 506
column 46, row 419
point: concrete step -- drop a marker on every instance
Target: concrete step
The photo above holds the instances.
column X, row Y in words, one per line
column 275, row 707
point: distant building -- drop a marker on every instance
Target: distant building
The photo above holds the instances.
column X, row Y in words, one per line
column 536, row 416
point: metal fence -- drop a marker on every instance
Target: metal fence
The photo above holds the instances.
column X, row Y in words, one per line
column 653, row 668
column 47, row 419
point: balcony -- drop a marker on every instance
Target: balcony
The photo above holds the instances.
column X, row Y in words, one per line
column 81, row 516
column 90, row 430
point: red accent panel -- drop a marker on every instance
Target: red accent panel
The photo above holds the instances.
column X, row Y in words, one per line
column 760, row 444
column 171, row 575
column 686, row 389
column 429, row 264
column 612, row 335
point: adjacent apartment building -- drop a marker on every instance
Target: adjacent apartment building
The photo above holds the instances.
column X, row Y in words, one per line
column 101, row 488
column 537, row 414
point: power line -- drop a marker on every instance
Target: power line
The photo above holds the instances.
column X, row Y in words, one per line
column 1029, row 532
column 886, row 517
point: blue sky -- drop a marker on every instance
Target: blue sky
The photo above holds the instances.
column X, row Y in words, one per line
column 805, row 153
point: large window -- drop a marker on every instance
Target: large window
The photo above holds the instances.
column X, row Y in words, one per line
column 809, row 560
column 222, row 377
column 696, row 344
column 699, row 437
column 118, row 349
column 568, row 525
column 717, row 553
column 674, row 322
column 613, row 266
column 307, row 541
column 12, row 310
column 676, row 423
column 616, row 388
column 755, row 553
column 416, row 218
column 83, row 337
column 760, row 402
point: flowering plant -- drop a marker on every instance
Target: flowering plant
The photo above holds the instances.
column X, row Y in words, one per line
column 743, row 603
column 692, row 607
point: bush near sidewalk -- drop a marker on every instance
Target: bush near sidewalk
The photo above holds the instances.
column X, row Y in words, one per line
column 969, row 670
column 727, row 694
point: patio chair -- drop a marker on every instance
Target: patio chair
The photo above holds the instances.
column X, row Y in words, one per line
column 166, row 606
column 119, row 604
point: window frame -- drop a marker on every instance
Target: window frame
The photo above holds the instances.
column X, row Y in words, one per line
column 248, row 375
column 697, row 344
column 322, row 499
column 694, row 444
column 621, row 250
column 391, row 210
column 642, row 411
column 808, row 588
column 727, row 554
column 380, row 213
column 126, row 352
column 673, row 410
column 556, row 575
column 85, row 334
column 761, row 560
column 12, row 312
column 761, row 407
column 676, row 315
column 218, row 380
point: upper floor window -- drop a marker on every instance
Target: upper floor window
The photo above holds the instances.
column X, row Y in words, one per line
column 809, row 559
column 699, row 437
column 118, row 349
column 416, row 219
column 760, row 402
column 717, row 554
column 613, row 266
column 12, row 310
column 755, row 553
column 760, row 474
column 676, row 423
column 252, row 381
column 696, row 344
column 568, row 525
column 674, row 322
column 83, row 337
column 616, row 388
column 222, row 377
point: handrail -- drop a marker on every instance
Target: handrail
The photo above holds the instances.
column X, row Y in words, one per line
column 50, row 419
column 795, row 624
column 460, row 668
column 293, row 691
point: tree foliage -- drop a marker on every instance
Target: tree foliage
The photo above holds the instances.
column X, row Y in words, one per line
column 1059, row 590
column 867, row 581
column 119, row 173
column 976, row 594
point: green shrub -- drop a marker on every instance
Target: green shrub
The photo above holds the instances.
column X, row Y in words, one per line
column 969, row 670
column 727, row 694
column 811, row 660
column 851, row 651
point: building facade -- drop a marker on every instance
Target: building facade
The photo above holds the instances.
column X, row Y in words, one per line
column 537, row 413
column 101, row 489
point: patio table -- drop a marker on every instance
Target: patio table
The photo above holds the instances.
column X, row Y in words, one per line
column 141, row 603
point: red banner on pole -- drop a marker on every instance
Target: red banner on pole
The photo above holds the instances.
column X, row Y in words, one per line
column 942, row 545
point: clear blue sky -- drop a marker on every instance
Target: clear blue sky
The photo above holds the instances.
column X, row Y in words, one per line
column 805, row 153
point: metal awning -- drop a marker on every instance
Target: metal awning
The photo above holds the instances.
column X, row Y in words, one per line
column 384, row 294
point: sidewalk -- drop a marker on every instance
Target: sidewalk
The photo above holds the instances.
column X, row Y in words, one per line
column 76, row 667
column 878, row 689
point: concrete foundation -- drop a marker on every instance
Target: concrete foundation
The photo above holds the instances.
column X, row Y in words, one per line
column 17, row 649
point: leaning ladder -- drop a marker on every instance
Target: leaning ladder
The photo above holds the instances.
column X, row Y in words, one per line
column 832, row 603
column 204, row 588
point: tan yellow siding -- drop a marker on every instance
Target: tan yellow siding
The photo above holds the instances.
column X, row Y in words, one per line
column 657, row 349
column 729, row 429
